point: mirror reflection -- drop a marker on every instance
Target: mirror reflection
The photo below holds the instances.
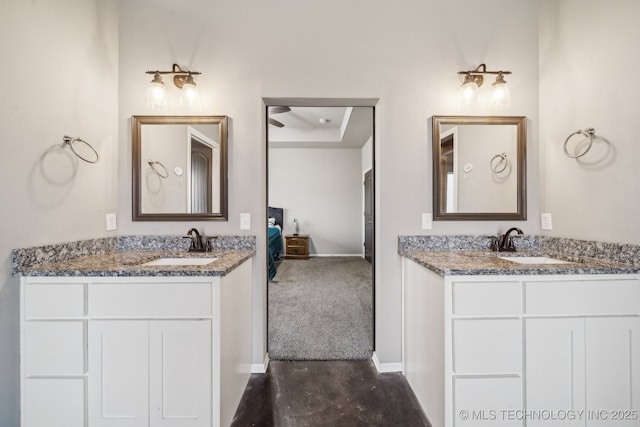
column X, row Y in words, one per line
column 179, row 166
column 478, row 165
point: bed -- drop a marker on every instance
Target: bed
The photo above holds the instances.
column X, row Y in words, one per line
column 275, row 223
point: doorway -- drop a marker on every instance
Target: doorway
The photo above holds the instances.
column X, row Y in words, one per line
column 321, row 198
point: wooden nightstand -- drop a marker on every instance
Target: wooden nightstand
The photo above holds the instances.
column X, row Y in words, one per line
column 297, row 247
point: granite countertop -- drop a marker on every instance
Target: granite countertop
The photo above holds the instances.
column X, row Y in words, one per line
column 484, row 262
column 128, row 263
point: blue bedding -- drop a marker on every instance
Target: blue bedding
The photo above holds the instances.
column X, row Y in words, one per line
column 275, row 247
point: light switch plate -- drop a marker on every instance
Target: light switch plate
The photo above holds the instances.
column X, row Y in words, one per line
column 245, row 221
column 545, row 221
column 111, row 222
column 427, row 221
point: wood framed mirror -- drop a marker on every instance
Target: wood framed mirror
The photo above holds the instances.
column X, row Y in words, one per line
column 479, row 168
column 179, row 168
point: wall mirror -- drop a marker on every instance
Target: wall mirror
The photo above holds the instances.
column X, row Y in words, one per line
column 479, row 167
column 179, row 166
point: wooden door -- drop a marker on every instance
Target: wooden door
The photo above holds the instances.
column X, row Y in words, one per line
column 368, row 215
column 201, row 176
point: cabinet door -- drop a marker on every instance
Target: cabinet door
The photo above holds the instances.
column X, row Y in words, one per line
column 554, row 369
column 613, row 371
column 119, row 373
column 180, row 373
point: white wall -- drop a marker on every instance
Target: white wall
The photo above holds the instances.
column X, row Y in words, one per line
column 322, row 188
column 405, row 53
column 59, row 72
column 588, row 78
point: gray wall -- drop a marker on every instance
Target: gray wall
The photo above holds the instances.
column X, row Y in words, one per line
column 60, row 74
column 588, row 79
column 168, row 145
column 482, row 190
column 405, row 53
column 83, row 65
column 322, row 188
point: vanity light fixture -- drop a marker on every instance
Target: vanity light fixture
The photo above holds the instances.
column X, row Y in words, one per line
column 182, row 79
column 473, row 79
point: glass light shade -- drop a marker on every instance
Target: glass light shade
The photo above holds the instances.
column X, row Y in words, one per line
column 500, row 94
column 156, row 96
column 468, row 93
column 190, row 98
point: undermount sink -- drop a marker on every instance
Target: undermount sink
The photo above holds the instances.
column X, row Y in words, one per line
column 182, row 261
column 533, row 260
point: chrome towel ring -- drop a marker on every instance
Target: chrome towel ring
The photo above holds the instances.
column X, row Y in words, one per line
column 75, row 143
column 589, row 133
column 499, row 163
column 152, row 165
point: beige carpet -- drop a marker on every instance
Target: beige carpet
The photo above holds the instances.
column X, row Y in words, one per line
column 321, row 309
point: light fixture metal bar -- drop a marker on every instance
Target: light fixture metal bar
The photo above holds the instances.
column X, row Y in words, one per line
column 176, row 70
column 481, row 70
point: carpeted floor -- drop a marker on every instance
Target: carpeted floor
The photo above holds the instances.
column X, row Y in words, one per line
column 321, row 309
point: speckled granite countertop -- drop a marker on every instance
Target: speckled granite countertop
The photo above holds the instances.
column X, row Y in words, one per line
column 484, row 262
column 128, row 263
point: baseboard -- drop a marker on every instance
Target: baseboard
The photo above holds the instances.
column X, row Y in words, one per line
column 261, row 368
column 385, row 367
column 336, row 255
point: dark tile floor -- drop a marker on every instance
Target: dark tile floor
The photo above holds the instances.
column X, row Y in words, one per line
column 328, row 394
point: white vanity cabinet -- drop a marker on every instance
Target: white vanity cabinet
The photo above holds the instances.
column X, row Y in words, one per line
column 583, row 350
column 135, row 351
column 529, row 350
column 152, row 373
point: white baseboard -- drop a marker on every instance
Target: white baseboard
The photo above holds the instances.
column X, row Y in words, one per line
column 340, row 255
column 261, row 368
column 385, row 367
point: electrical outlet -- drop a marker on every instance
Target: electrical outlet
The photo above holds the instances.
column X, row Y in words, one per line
column 427, row 221
column 245, row 221
column 111, row 222
column 545, row 221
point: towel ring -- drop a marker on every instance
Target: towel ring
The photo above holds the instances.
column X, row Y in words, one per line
column 152, row 165
column 589, row 132
column 501, row 161
column 71, row 141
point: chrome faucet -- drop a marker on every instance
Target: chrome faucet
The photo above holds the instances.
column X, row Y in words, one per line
column 504, row 243
column 199, row 243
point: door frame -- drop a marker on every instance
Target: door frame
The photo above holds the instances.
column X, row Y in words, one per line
column 323, row 102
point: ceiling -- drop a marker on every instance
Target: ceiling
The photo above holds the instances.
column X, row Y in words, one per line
column 321, row 127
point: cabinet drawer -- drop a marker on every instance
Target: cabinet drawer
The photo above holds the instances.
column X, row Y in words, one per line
column 54, row 402
column 164, row 300
column 54, row 301
column 482, row 298
column 487, row 346
column 54, row 347
column 296, row 241
column 483, row 402
column 296, row 250
column 582, row 297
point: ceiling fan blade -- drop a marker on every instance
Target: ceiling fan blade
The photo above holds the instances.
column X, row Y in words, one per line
column 278, row 110
column 275, row 123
